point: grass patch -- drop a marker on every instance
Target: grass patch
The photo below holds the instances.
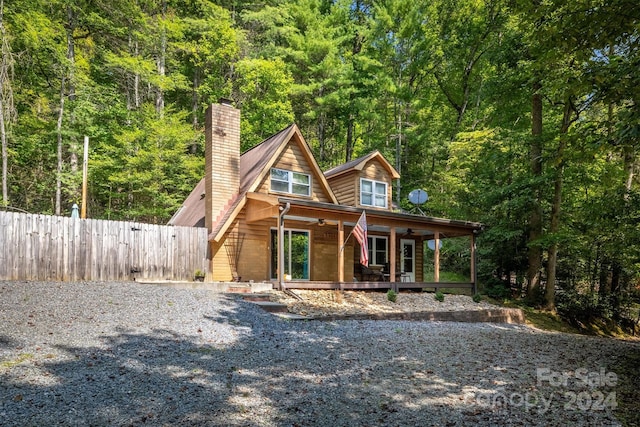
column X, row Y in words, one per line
column 446, row 277
column 548, row 321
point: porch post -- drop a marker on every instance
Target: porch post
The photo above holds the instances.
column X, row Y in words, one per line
column 283, row 212
column 340, row 252
column 392, row 256
column 474, row 272
column 436, row 257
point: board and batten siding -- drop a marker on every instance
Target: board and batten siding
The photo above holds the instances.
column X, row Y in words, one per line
column 56, row 248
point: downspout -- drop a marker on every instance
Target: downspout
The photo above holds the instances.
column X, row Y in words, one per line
column 283, row 212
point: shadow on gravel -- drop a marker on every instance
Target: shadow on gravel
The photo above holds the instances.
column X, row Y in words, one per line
column 273, row 372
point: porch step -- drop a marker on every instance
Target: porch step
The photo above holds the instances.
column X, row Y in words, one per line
column 256, row 297
column 271, row 307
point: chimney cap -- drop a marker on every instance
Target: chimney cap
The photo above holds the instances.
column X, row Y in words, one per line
column 225, row 101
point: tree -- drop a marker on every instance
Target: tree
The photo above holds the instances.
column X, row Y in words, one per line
column 262, row 90
column 7, row 110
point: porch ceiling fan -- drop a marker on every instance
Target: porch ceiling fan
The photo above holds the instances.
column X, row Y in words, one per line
column 408, row 233
column 321, row 222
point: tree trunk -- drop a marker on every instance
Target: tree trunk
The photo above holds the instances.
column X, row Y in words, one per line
column 5, row 148
column 7, row 111
column 629, row 168
column 67, row 79
column 349, row 145
column 554, row 228
column 133, row 82
column 550, row 289
column 58, row 208
column 195, row 104
column 161, row 60
column 399, row 145
column 71, row 57
column 534, row 251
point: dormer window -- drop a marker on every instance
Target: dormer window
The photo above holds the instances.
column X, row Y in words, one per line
column 373, row 193
column 284, row 181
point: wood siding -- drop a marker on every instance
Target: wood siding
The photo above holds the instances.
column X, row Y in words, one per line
column 346, row 186
column 43, row 247
column 293, row 159
column 255, row 257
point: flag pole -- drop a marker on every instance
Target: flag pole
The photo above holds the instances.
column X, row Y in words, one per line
column 346, row 240
column 359, row 231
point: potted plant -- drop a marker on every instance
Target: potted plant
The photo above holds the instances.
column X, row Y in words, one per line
column 198, row 276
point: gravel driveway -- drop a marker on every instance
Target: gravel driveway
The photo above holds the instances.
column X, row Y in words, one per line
column 132, row 354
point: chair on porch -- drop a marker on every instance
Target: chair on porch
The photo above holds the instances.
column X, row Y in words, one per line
column 386, row 274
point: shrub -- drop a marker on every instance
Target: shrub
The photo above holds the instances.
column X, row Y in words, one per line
column 392, row 295
column 439, row 296
column 477, row 298
column 497, row 289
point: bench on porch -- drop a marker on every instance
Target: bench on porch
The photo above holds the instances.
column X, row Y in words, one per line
column 366, row 274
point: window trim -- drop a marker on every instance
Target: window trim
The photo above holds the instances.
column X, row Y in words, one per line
column 288, row 232
column 290, row 182
column 373, row 194
column 373, row 250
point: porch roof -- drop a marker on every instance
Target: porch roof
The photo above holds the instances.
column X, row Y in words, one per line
column 377, row 220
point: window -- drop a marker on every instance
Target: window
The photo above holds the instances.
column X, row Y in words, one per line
column 377, row 250
column 296, row 254
column 373, row 193
column 284, row 181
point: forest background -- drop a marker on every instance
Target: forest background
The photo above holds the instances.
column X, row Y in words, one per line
column 522, row 115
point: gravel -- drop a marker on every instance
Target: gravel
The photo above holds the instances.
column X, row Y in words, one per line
column 125, row 354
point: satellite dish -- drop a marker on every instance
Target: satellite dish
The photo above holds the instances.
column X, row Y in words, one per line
column 418, row 196
column 431, row 244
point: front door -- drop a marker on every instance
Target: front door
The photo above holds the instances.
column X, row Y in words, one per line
column 408, row 259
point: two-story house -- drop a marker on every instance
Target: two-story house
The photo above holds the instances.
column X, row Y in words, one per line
column 273, row 215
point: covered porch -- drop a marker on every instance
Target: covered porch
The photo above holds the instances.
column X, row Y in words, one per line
column 382, row 286
column 396, row 248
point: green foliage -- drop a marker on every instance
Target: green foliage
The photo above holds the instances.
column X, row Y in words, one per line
column 262, row 89
column 476, row 298
column 146, row 172
column 443, row 89
column 497, row 289
column 392, row 295
column 439, row 296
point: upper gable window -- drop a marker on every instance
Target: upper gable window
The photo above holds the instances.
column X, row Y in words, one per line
column 373, row 193
column 284, row 181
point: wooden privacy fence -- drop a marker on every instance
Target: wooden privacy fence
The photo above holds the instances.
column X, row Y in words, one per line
column 43, row 247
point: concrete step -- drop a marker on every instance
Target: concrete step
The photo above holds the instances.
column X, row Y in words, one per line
column 272, row 307
column 256, row 297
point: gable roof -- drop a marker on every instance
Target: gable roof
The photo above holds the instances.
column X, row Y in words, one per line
column 359, row 164
column 255, row 165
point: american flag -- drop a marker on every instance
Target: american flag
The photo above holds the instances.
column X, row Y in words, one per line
column 360, row 233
